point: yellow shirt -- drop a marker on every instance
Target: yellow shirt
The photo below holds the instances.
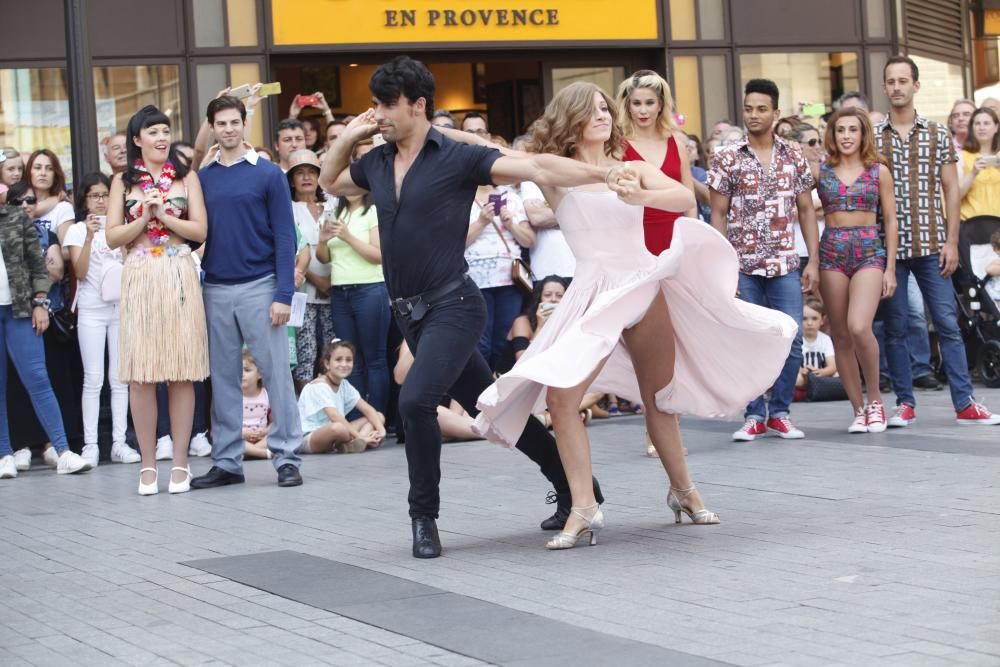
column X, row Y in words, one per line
column 983, row 198
column 347, row 267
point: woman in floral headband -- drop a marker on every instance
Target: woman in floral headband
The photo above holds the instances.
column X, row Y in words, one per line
column 156, row 207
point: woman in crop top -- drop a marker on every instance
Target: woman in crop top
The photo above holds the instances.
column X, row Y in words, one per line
column 156, row 206
column 856, row 270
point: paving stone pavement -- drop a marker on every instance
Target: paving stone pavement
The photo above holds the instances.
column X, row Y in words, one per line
column 834, row 550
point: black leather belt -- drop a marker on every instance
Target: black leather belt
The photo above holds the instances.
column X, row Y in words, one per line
column 415, row 307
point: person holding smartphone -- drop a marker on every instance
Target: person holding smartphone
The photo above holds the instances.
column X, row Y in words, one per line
column 498, row 229
column 979, row 166
column 98, row 271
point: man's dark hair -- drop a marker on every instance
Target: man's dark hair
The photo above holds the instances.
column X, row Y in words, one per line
column 443, row 113
column 902, row 60
column 223, row 103
column 764, row 87
column 288, row 124
column 404, row 76
column 474, row 114
column 852, row 95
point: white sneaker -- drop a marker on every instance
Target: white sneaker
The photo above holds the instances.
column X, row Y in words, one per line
column 50, row 457
column 70, row 463
column 90, row 454
column 200, row 446
column 165, row 448
column 124, row 454
column 22, row 459
column 8, row 469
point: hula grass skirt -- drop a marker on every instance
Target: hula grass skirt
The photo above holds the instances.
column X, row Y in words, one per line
column 163, row 334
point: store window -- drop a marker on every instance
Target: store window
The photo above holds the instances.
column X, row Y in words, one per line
column 693, row 20
column 803, row 78
column 941, row 83
column 34, row 111
column 607, row 78
column 121, row 91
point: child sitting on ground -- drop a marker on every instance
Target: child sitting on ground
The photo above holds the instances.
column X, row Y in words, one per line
column 325, row 403
column 256, row 411
column 817, row 348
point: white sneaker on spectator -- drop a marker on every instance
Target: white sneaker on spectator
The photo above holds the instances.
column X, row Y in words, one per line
column 50, row 457
column 90, row 454
column 200, row 446
column 164, row 448
column 70, row 463
column 8, row 469
column 22, row 459
column 122, row 453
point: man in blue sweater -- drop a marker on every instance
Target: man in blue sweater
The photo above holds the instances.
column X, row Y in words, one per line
column 249, row 282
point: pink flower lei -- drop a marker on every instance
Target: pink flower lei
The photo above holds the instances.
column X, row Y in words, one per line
column 156, row 231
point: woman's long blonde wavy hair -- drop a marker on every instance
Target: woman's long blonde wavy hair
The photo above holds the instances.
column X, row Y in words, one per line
column 650, row 80
column 560, row 128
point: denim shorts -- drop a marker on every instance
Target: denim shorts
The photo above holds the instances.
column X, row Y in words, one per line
column 847, row 250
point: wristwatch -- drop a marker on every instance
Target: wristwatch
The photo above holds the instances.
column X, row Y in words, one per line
column 40, row 302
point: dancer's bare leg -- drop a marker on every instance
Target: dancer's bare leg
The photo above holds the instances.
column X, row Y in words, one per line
column 573, row 444
column 866, row 292
column 836, row 290
column 651, row 345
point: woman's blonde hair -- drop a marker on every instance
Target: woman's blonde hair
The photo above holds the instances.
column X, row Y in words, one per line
column 647, row 78
column 559, row 129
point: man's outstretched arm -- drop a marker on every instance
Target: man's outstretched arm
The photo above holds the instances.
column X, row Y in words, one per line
column 335, row 175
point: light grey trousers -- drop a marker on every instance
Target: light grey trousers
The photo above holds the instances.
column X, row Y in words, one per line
column 239, row 314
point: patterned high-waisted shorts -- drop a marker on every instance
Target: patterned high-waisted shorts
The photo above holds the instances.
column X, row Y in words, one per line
column 850, row 249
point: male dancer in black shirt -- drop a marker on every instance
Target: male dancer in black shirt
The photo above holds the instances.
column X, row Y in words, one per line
column 423, row 185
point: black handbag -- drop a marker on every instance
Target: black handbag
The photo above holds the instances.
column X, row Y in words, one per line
column 63, row 324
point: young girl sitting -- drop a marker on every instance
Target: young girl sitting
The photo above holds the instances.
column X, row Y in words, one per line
column 256, row 411
column 325, row 403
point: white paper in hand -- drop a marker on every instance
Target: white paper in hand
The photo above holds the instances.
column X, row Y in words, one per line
column 298, row 310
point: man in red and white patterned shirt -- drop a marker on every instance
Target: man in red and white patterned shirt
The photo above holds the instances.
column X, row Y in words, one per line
column 760, row 187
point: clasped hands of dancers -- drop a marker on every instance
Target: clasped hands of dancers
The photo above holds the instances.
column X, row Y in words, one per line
column 614, row 330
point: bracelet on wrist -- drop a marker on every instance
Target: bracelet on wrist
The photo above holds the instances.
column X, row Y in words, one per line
column 40, row 302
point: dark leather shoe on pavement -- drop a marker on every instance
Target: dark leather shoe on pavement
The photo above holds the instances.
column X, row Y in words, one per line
column 426, row 543
column 564, row 504
column 216, row 477
column 288, row 475
column 927, row 382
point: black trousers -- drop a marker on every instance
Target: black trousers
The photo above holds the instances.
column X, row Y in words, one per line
column 447, row 361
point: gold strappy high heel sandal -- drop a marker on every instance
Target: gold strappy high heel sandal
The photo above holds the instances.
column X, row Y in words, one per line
column 676, row 498
column 591, row 526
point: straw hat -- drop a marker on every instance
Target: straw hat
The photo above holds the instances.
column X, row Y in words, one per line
column 300, row 158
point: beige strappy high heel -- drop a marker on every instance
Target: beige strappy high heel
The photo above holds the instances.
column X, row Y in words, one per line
column 676, row 498
column 595, row 523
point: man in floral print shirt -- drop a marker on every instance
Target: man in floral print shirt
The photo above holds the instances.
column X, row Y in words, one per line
column 760, row 187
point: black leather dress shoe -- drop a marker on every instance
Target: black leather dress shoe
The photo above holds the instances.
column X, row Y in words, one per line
column 426, row 543
column 288, row 475
column 216, row 477
column 564, row 506
column 927, row 382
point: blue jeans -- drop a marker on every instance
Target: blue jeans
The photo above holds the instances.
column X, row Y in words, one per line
column 503, row 305
column 917, row 335
column 27, row 351
column 939, row 296
column 784, row 294
column 361, row 315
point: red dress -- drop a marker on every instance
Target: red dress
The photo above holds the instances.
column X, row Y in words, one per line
column 658, row 225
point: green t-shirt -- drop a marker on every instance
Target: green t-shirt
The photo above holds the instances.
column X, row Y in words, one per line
column 347, row 267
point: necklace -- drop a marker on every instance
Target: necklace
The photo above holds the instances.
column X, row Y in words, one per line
column 156, row 231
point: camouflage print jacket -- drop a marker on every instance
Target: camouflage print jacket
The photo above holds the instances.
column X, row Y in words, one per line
column 23, row 258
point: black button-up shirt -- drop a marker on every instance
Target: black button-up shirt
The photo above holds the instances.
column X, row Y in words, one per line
column 423, row 234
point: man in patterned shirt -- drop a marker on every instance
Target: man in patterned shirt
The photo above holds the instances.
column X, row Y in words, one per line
column 760, row 187
column 922, row 158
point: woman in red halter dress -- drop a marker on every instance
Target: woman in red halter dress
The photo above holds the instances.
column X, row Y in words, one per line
column 645, row 107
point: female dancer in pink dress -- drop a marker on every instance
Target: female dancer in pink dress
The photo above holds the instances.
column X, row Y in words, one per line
column 705, row 355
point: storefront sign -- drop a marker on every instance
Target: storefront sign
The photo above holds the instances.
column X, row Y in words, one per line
column 346, row 22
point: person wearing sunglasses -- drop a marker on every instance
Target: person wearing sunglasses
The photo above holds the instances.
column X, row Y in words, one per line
column 808, row 139
column 24, row 317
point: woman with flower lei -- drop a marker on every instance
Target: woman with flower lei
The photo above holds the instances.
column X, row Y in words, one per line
column 156, row 208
